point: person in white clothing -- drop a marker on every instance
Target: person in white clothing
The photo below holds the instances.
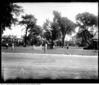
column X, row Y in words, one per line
column 12, row 46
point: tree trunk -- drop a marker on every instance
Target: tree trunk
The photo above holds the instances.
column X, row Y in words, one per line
column 63, row 41
column 25, row 38
column 51, row 44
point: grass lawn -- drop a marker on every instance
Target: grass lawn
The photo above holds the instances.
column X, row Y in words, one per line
column 25, row 62
column 39, row 66
column 56, row 50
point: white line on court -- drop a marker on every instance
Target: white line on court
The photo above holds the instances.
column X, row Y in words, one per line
column 38, row 54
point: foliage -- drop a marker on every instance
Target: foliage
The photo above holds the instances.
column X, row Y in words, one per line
column 6, row 15
column 57, row 16
column 46, row 30
column 66, row 26
column 29, row 21
column 36, row 30
column 56, row 34
column 52, row 31
column 87, row 19
column 35, row 34
column 84, row 37
column 9, row 39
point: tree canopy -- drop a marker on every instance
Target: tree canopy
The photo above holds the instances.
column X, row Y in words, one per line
column 6, row 15
column 46, row 30
column 87, row 19
column 85, row 37
column 29, row 21
column 56, row 34
column 66, row 26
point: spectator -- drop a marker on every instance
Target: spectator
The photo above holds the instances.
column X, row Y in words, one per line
column 6, row 45
column 67, row 46
column 13, row 46
column 44, row 46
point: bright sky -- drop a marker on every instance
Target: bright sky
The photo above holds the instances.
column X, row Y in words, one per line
column 43, row 11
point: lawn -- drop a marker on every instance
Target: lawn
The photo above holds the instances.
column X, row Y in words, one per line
column 56, row 50
column 58, row 63
column 39, row 66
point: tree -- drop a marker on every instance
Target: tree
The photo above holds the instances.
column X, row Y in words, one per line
column 35, row 34
column 29, row 21
column 66, row 25
column 85, row 37
column 52, row 31
column 57, row 16
column 7, row 13
column 85, row 20
column 56, row 33
column 47, row 30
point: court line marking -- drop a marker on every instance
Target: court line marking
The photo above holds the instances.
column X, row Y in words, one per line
column 39, row 54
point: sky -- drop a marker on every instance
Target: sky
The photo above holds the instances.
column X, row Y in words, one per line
column 43, row 11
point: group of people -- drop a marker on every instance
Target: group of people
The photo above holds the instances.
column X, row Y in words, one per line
column 44, row 46
column 7, row 45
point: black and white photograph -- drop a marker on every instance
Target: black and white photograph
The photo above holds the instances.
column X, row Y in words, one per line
column 49, row 41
